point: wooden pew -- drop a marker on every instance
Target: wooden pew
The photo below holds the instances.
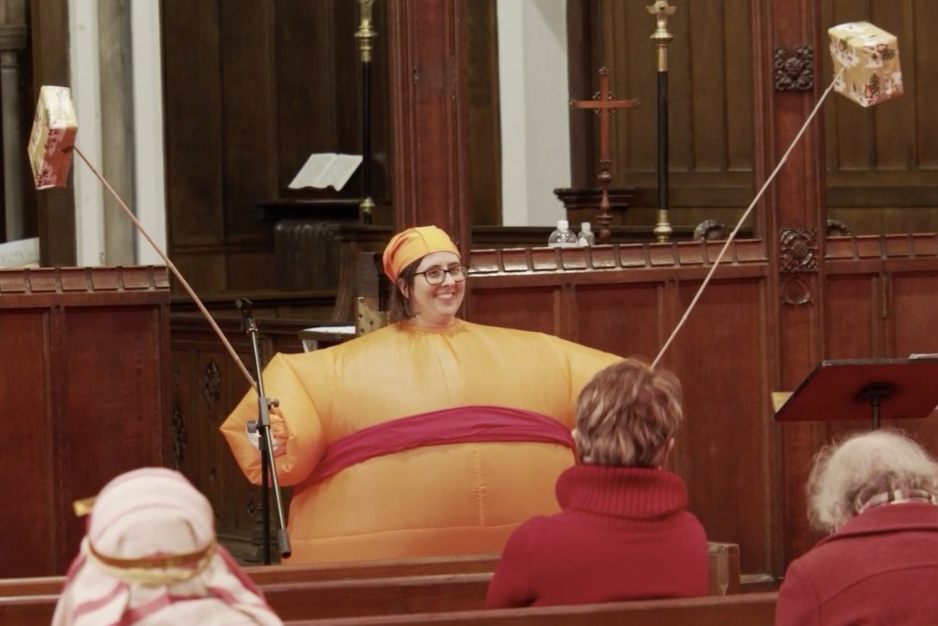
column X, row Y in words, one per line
column 331, row 598
column 756, row 609
column 262, row 575
column 440, row 604
column 266, row 575
column 298, row 592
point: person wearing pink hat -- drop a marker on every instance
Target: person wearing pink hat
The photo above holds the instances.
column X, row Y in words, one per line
column 150, row 557
column 432, row 436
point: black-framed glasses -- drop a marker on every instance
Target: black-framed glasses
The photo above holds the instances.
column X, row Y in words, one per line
column 436, row 275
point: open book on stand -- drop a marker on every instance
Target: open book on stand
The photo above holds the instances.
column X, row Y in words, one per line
column 326, row 170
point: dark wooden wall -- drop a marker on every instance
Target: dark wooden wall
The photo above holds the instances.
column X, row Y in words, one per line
column 880, row 161
column 250, row 91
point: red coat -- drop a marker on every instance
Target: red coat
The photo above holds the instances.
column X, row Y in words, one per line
column 623, row 534
column 880, row 568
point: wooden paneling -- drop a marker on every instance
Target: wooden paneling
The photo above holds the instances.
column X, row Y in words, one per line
column 622, row 318
column 27, row 484
column 194, row 142
column 483, row 137
column 428, row 96
column 249, row 156
column 881, row 160
column 710, row 101
column 86, row 368
column 854, row 316
column 540, row 310
column 114, row 399
column 725, row 427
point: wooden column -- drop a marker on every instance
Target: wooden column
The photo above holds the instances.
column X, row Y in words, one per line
column 792, row 222
column 49, row 35
column 429, row 151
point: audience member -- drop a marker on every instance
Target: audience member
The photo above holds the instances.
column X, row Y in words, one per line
column 624, row 531
column 150, row 558
column 875, row 493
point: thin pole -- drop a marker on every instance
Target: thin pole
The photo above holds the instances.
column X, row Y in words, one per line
column 365, row 34
column 172, row 267
column 739, row 224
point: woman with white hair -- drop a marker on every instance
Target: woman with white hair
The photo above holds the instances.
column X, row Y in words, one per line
column 150, row 558
column 875, row 494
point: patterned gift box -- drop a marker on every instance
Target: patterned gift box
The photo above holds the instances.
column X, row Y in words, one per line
column 869, row 57
column 53, row 133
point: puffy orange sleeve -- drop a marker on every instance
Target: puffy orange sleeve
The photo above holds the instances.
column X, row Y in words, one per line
column 583, row 363
column 305, row 442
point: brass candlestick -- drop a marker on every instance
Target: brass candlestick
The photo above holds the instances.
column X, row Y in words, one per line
column 661, row 10
column 365, row 32
column 365, row 35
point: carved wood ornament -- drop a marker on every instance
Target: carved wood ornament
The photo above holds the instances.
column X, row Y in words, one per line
column 798, row 257
column 794, row 71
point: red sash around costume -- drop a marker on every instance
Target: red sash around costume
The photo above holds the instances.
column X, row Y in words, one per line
column 465, row 424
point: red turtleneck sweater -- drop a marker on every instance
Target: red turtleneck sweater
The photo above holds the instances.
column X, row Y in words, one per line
column 624, row 534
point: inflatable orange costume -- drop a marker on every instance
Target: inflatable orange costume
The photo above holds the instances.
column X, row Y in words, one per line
column 420, row 439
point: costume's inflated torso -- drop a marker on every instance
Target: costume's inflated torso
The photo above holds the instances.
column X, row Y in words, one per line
column 433, row 500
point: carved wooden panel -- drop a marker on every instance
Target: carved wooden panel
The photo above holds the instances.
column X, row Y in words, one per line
column 207, row 386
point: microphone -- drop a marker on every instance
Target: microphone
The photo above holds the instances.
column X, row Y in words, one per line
column 247, row 314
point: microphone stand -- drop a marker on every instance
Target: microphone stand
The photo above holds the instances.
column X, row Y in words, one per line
column 262, row 428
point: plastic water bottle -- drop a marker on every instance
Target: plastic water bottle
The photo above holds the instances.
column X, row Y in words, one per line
column 563, row 237
column 586, row 237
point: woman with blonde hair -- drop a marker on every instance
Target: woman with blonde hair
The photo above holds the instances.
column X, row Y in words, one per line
column 432, row 436
column 624, row 532
column 875, row 495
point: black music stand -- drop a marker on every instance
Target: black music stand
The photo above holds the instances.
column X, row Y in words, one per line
column 853, row 389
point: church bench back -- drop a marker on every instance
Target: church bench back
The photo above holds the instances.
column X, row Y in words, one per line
column 724, row 557
column 323, row 599
column 332, row 598
column 265, row 574
column 378, row 596
column 756, row 609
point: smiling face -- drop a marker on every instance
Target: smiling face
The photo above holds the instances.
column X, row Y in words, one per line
column 434, row 306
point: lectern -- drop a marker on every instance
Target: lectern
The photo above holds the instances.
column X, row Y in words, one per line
column 859, row 389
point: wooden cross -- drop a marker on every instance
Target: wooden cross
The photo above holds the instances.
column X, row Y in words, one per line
column 604, row 104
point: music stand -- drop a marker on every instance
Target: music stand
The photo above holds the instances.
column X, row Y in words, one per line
column 853, row 389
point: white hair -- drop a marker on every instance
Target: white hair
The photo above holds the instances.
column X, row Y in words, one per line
column 846, row 475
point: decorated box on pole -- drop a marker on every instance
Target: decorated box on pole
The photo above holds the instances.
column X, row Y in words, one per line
column 869, row 58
